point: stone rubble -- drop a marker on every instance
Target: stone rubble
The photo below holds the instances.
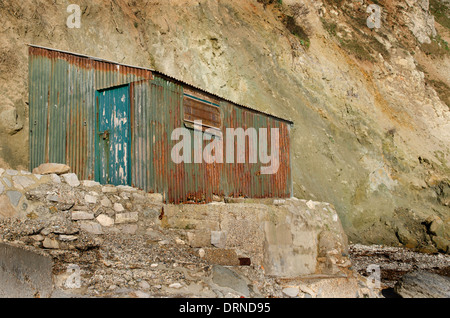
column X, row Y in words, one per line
column 125, row 246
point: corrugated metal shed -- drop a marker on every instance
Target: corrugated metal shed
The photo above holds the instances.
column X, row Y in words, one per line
column 67, row 125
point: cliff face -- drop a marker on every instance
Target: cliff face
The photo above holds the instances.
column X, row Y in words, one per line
column 370, row 106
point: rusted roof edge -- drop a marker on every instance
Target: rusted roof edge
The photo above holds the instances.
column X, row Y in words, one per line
column 167, row 76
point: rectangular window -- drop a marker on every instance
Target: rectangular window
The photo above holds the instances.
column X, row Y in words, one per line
column 196, row 109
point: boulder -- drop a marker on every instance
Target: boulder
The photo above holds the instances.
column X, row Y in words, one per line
column 422, row 284
column 51, row 168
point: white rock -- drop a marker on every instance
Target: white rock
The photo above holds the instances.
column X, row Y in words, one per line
column 129, row 217
column 22, row 182
column 140, row 294
column 118, row 207
column 109, row 189
column 55, row 178
column 2, row 188
column 71, row 179
column 81, row 215
column 218, row 239
column 7, row 182
column 144, row 285
column 126, row 188
column 91, row 227
column 50, row 243
column 50, row 168
column 106, row 202
column 105, row 220
column 37, row 238
column 1, row 171
column 154, row 265
column 291, row 291
column 90, row 199
column 179, row 241
column 90, row 183
column 279, row 202
column 12, row 172
column 201, row 253
column 175, row 285
column 311, row 204
column 67, row 238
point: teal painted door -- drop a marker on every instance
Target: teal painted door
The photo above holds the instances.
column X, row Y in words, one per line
column 113, row 136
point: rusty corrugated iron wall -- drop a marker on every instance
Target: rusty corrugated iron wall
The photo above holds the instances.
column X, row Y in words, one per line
column 62, row 90
column 63, row 129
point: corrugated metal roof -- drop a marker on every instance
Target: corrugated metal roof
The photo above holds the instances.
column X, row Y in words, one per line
column 167, row 76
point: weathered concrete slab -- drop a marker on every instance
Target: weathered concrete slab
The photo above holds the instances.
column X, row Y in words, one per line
column 293, row 238
column 24, row 274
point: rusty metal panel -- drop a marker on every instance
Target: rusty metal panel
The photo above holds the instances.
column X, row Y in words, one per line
column 158, row 107
column 196, row 109
column 63, row 128
column 62, row 90
column 156, row 113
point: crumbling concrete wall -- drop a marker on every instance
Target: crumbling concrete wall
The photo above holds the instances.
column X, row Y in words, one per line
column 24, row 274
column 288, row 238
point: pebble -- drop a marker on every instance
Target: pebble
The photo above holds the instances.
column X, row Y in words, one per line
column 68, row 238
column 144, row 285
column 179, row 241
column 175, row 286
column 50, row 243
column 291, row 291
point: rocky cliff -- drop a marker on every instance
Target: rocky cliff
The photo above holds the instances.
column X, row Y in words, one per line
column 370, row 105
